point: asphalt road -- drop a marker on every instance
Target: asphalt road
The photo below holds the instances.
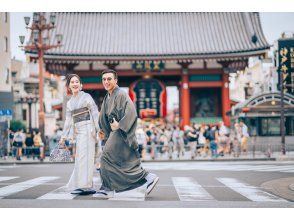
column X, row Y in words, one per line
column 181, row 184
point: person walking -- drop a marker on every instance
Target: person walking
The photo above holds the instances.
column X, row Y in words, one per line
column 39, row 145
column 18, row 142
column 81, row 127
column 192, row 140
column 120, row 164
column 178, row 140
column 244, row 137
column 29, row 142
column 212, row 137
column 142, row 141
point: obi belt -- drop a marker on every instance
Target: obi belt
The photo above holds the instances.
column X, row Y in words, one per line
column 81, row 114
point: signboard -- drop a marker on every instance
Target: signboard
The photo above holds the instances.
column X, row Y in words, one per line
column 152, row 66
column 286, row 63
column 149, row 96
column 5, row 114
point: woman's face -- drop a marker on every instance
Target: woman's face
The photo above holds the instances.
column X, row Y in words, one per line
column 75, row 85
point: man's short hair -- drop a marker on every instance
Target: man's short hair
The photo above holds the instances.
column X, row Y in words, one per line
column 109, row 71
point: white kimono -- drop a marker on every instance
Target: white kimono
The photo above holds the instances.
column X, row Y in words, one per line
column 83, row 133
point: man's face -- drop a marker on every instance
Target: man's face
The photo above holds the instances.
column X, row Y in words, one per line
column 109, row 82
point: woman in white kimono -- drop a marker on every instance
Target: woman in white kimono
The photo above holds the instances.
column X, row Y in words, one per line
column 81, row 125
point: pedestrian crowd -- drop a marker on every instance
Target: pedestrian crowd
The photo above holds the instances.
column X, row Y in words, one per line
column 157, row 138
column 160, row 138
column 28, row 144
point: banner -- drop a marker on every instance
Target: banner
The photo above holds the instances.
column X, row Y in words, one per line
column 286, row 63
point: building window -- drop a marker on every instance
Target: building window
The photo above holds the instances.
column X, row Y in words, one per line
column 24, row 114
column 248, row 92
column 6, row 17
column 270, row 126
column 6, row 44
column 13, row 74
column 290, row 126
column 7, row 76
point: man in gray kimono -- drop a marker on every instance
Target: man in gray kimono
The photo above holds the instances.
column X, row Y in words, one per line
column 120, row 165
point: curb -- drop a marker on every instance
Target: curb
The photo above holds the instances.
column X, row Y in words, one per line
column 212, row 160
column 31, row 162
column 284, row 158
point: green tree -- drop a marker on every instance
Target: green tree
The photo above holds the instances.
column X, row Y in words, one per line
column 17, row 124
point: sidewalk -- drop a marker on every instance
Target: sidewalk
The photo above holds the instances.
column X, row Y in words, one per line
column 276, row 156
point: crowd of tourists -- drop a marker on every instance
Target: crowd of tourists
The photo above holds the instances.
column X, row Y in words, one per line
column 161, row 138
column 28, row 144
column 156, row 138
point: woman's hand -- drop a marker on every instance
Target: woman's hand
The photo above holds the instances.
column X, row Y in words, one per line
column 101, row 135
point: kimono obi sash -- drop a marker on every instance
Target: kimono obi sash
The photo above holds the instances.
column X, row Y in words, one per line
column 81, row 114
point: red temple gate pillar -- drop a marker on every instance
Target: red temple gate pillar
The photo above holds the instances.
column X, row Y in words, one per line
column 225, row 99
column 185, row 99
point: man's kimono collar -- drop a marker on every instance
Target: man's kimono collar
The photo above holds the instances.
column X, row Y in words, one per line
column 114, row 91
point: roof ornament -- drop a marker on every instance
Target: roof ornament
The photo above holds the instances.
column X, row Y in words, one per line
column 254, row 38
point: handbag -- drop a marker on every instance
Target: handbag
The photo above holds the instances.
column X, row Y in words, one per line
column 60, row 154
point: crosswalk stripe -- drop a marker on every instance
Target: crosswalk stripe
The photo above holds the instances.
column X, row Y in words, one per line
column 137, row 194
column 5, row 178
column 265, row 168
column 18, row 187
column 215, row 167
column 248, row 191
column 61, row 193
column 277, row 168
column 189, row 190
column 287, row 171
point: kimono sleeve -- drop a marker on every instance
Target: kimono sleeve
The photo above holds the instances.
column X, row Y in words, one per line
column 67, row 128
column 128, row 112
column 94, row 111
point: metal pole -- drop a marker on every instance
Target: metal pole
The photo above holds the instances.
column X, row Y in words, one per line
column 30, row 116
column 282, row 124
column 8, row 137
column 41, row 90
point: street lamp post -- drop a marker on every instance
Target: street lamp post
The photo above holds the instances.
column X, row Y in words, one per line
column 39, row 45
column 282, row 123
column 29, row 100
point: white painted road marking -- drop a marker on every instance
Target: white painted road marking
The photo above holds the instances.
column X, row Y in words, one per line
column 18, row 187
column 216, row 167
column 137, row 194
column 189, row 190
column 5, row 178
column 250, row 192
column 61, row 193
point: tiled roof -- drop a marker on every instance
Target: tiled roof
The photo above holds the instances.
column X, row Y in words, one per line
column 137, row 35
